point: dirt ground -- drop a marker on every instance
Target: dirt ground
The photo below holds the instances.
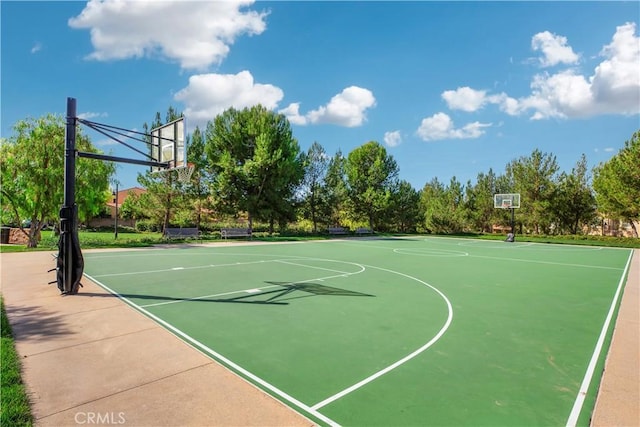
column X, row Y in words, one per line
column 83, row 361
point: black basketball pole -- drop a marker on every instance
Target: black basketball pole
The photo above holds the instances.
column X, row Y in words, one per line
column 70, row 262
column 66, row 213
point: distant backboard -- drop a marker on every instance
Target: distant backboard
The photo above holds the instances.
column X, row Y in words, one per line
column 168, row 144
column 506, row 201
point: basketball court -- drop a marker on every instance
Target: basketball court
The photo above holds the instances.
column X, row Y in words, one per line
column 390, row 331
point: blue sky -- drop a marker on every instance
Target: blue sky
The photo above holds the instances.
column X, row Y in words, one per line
column 450, row 88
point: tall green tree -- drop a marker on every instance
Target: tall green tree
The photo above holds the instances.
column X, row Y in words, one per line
column 334, row 189
column 314, row 204
column 443, row 206
column 479, row 200
column 433, row 206
column 534, row 177
column 198, row 187
column 404, row 207
column 32, row 173
column 371, row 176
column 617, row 183
column 574, row 203
column 256, row 162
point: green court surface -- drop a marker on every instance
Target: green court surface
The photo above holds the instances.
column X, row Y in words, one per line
column 398, row 331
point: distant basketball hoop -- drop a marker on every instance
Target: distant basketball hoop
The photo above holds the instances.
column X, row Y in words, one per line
column 508, row 201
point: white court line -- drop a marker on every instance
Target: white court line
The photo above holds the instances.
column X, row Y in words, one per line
column 545, row 262
column 233, row 264
column 198, row 345
column 322, row 268
column 209, row 296
column 312, row 410
column 404, row 359
column 582, row 393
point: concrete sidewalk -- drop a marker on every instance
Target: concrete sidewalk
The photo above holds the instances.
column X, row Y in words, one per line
column 92, row 359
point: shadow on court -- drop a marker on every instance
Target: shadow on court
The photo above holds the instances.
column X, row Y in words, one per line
column 287, row 291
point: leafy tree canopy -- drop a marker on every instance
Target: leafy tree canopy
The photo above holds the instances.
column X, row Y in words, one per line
column 32, row 173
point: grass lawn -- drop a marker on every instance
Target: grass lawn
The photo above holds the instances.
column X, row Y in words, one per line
column 15, row 409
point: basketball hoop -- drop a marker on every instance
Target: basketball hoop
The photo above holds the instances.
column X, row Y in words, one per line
column 184, row 172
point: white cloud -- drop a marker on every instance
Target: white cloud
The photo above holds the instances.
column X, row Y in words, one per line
column 392, row 139
column 348, row 108
column 292, row 112
column 440, row 126
column 196, row 34
column 564, row 94
column 613, row 88
column 615, row 84
column 465, row 99
column 208, row 95
column 37, row 47
column 554, row 48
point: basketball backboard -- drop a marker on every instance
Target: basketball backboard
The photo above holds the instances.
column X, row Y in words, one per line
column 168, row 144
column 506, row 201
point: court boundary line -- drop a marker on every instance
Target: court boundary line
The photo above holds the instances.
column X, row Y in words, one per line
column 443, row 252
column 403, row 360
column 219, row 357
column 166, row 270
column 546, row 262
column 313, row 410
column 586, row 382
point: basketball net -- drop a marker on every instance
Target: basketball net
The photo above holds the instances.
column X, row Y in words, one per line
column 184, row 172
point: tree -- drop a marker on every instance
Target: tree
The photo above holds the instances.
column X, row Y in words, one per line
column 256, row 163
column 334, row 190
column 404, row 207
column 316, row 164
column 371, row 174
column 32, row 173
column 432, row 206
column 479, row 201
column 617, row 183
column 534, row 177
column 573, row 202
column 443, row 207
column 198, row 187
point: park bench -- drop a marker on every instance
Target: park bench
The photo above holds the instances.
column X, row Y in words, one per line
column 181, row 233
column 235, row 232
column 337, row 230
column 363, row 230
